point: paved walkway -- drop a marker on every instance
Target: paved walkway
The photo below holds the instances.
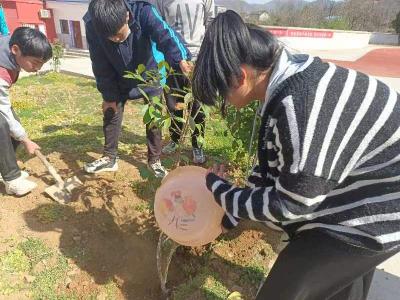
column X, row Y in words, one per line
column 378, row 62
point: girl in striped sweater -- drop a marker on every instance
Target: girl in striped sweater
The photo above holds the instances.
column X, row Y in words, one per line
column 329, row 160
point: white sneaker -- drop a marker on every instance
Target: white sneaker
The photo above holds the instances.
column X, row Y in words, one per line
column 24, row 175
column 20, row 186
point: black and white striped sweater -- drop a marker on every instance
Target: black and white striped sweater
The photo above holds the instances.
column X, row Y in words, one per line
column 329, row 159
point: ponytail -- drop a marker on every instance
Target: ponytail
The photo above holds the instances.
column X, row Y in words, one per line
column 229, row 43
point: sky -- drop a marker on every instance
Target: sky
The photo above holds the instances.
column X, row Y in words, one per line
column 265, row 1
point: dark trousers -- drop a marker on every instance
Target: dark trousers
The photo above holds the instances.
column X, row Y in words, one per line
column 177, row 84
column 9, row 169
column 315, row 266
column 112, row 124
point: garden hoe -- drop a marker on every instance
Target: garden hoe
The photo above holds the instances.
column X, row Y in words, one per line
column 61, row 192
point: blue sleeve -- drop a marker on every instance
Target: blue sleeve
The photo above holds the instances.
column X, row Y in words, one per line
column 106, row 76
column 167, row 40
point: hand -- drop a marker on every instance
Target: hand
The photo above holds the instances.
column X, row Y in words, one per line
column 218, row 169
column 30, row 146
column 109, row 105
column 186, row 67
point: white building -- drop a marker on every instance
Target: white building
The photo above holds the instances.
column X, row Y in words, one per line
column 70, row 28
column 68, row 15
column 264, row 17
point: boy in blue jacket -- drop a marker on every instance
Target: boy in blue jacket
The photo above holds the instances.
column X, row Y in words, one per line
column 122, row 34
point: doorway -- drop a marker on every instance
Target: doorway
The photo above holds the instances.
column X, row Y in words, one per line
column 77, row 34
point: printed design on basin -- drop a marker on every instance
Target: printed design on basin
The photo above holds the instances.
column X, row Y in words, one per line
column 179, row 210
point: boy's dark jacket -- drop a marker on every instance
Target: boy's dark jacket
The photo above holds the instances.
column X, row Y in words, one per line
column 110, row 60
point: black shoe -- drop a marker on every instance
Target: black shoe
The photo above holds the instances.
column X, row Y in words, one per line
column 104, row 164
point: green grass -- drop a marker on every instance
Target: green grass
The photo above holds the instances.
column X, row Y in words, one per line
column 15, row 261
column 63, row 114
column 207, row 282
column 21, row 261
column 49, row 213
column 47, row 281
column 111, row 289
column 35, row 250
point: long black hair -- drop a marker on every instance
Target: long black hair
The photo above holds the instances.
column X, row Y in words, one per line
column 229, row 43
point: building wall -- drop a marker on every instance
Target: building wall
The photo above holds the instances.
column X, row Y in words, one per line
column 379, row 38
column 320, row 39
column 71, row 11
column 26, row 13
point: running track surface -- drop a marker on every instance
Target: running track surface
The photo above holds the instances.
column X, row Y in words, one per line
column 383, row 62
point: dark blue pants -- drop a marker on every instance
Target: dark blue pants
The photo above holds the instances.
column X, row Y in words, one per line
column 112, row 125
column 9, row 169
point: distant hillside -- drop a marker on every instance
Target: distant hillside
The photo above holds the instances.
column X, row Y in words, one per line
column 244, row 7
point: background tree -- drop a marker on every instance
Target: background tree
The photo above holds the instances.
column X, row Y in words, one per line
column 396, row 25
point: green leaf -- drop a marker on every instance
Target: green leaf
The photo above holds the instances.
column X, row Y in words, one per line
column 144, row 94
column 185, row 158
column 145, row 108
column 151, row 110
column 166, row 88
column 192, row 124
column 135, row 76
column 157, row 115
column 206, row 109
column 167, row 123
column 163, row 64
column 200, row 140
column 145, row 173
column 188, row 98
column 149, row 115
column 178, row 95
column 141, row 68
column 179, row 119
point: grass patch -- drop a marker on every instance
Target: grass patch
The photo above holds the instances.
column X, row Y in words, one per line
column 15, row 261
column 207, row 283
column 254, row 273
column 111, row 290
column 142, row 207
column 146, row 190
column 49, row 213
column 47, row 282
column 35, row 250
column 20, row 263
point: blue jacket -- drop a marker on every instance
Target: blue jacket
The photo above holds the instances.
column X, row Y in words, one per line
column 150, row 35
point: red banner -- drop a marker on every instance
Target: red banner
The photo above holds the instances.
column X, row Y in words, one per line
column 283, row 32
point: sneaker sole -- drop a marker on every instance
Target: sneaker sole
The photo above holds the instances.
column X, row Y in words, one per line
column 20, row 195
column 168, row 152
column 113, row 169
column 155, row 174
column 24, row 175
column 199, row 162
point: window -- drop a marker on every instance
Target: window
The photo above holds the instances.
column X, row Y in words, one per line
column 64, row 26
column 28, row 25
